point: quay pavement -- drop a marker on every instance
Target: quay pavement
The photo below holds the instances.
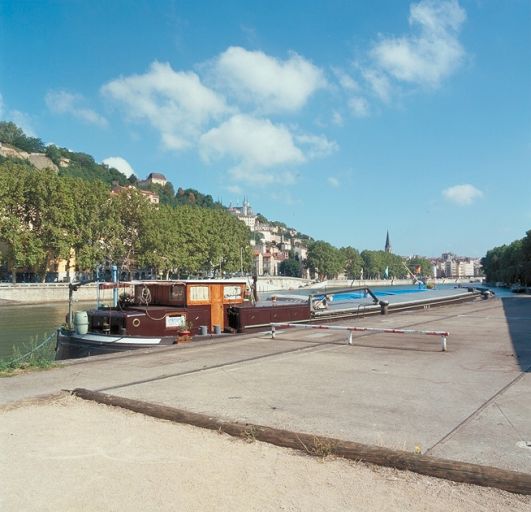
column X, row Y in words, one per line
column 468, row 404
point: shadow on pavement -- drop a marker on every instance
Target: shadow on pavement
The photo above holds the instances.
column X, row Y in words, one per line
column 518, row 315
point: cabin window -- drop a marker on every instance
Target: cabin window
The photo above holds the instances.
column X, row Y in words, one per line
column 232, row 292
column 175, row 321
column 199, row 293
column 177, row 293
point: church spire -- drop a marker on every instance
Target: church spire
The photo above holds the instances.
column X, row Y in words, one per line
column 387, row 243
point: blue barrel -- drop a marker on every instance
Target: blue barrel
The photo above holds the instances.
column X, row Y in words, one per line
column 81, row 322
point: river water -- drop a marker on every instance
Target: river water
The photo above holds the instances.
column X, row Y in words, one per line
column 19, row 325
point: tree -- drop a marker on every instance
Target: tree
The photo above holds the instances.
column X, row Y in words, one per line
column 128, row 210
column 424, row 264
column 375, row 264
column 11, row 134
column 353, row 262
column 36, row 217
column 324, row 259
column 509, row 263
column 94, row 223
column 291, row 267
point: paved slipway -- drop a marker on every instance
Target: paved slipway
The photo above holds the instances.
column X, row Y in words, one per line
column 468, row 404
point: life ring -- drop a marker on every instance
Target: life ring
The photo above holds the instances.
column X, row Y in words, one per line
column 136, row 322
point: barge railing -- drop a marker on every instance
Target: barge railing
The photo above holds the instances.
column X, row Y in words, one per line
column 442, row 334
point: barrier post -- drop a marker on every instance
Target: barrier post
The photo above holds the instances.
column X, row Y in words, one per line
column 272, row 332
column 443, row 343
column 350, row 338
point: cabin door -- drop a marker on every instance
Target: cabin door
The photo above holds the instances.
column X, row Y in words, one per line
column 216, row 307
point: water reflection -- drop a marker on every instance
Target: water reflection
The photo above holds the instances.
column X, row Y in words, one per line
column 20, row 324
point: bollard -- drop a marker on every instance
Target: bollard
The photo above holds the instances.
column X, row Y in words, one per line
column 273, row 332
column 443, row 343
column 350, row 338
column 384, row 307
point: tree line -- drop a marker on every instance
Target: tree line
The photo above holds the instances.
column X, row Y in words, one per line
column 327, row 261
column 45, row 217
column 509, row 263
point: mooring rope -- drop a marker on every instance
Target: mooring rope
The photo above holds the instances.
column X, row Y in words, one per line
column 17, row 359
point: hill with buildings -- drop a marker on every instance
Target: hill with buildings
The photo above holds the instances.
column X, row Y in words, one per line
column 273, row 247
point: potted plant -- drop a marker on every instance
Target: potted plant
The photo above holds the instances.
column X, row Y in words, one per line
column 185, row 332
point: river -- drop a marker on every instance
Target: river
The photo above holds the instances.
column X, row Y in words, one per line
column 19, row 325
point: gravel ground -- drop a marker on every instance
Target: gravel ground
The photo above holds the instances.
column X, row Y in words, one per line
column 65, row 454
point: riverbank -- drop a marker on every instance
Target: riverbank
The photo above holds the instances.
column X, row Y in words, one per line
column 397, row 392
column 50, row 293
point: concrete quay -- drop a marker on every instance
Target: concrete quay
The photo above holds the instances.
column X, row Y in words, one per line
column 469, row 404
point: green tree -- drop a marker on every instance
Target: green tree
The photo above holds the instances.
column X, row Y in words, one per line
column 36, row 217
column 128, row 210
column 353, row 262
column 11, row 134
column 290, row 267
column 324, row 259
column 424, row 263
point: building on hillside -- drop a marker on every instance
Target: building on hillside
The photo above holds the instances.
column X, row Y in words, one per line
column 245, row 214
column 152, row 197
column 156, row 178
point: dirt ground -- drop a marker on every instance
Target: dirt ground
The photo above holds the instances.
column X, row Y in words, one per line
column 65, row 454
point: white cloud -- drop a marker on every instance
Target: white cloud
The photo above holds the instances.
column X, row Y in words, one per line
column 359, row 106
column 273, row 85
column 337, row 118
column 379, row 84
column 235, row 189
column 175, row 103
column 254, row 142
column 258, row 177
column 462, row 194
column 317, row 145
column 430, row 55
column 333, row 182
column 120, row 164
column 261, row 149
column 64, row 102
column 346, row 81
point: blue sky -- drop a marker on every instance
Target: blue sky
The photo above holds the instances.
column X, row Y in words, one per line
column 343, row 119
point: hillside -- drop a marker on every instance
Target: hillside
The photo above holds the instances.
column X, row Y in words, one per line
column 16, row 145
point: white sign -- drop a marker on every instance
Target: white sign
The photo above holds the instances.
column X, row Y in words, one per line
column 175, row 321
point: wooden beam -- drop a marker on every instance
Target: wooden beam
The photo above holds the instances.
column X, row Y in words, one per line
column 456, row 471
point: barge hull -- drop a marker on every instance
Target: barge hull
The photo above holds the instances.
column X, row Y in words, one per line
column 74, row 346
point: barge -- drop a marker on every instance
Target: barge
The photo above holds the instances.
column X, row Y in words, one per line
column 149, row 314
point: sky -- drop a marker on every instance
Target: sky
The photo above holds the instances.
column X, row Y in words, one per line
column 343, row 119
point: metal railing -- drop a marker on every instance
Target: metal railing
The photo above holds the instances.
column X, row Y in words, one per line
column 442, row 334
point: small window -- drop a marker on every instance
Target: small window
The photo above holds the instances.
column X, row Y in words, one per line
column 199, row 293
column 232, row 292
column 177, row 293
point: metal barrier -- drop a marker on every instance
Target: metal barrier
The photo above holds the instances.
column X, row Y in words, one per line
column 442, row 334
